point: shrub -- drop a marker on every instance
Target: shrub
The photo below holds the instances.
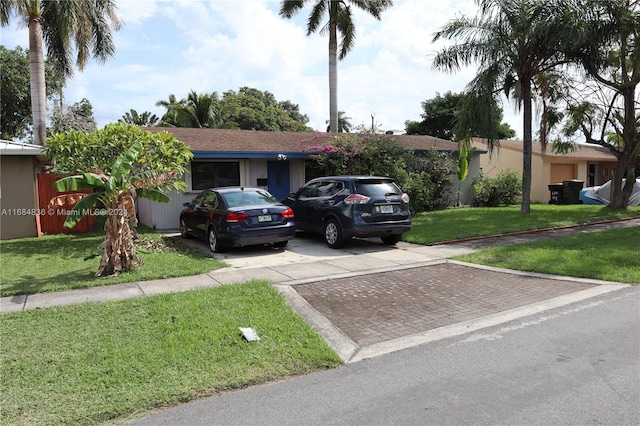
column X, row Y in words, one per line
column 424, row 177
column 503, row 190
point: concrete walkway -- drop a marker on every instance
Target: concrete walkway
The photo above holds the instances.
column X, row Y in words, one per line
column 369, row 299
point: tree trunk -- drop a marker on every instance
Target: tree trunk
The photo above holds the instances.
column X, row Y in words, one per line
column 38, row 86
column 333, row 76
column 525, row 87
column 627, row 159
column 625, row 169
column 118, row 249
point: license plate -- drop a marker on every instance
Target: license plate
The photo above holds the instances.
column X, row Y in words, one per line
column 264, row 218
column 386, row 209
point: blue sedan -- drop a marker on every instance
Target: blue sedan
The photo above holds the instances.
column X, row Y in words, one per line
column 237, row 217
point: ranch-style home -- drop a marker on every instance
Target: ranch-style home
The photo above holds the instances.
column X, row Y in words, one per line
column 590, row 164
column 277, row 161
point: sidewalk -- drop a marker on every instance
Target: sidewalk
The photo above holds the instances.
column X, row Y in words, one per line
column 296, row 269
column 371, row 299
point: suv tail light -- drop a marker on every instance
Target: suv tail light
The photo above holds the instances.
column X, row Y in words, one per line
column 357, row 199
column 237, row 217
column 287, row 214
column 405, row 198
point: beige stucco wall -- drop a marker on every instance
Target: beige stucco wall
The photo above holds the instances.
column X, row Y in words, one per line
column 17, row 197
column 505, row 158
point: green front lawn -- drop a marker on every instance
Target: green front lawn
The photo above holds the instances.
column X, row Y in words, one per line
column 453, row 224
column 57, row 262
column 102, row 362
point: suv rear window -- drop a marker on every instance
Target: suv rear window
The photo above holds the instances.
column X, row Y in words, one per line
column 377, row 188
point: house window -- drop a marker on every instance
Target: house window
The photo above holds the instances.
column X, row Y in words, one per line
column 212, row 174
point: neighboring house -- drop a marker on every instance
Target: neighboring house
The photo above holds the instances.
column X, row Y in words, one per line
column 29, row 204
column 276, row 161
column 591, row 164
column 19, row 166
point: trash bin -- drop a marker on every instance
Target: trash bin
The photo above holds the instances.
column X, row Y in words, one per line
column 571, row 191
column 557, row 193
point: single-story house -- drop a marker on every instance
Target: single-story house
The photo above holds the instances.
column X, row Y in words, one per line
column 277, row 161
column 591, row 164
column 19, row 165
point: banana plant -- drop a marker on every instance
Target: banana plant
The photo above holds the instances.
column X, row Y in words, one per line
column 465, row 151
column 117, row 191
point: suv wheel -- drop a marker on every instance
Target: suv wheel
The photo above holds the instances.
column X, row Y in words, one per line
column 391, row 239
column 214, row 244
column 333, row 234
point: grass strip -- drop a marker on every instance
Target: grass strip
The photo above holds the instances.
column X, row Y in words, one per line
column 612, row 255
column 93, row 363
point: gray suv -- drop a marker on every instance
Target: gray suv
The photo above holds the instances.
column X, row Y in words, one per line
column 342, row 207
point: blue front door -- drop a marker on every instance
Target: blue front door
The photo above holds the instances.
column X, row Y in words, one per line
column 278, row 179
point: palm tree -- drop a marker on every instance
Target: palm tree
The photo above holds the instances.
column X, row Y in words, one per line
column 339, row 12
column 169, row 118
column 344, row 125
column 145, row 119
column 514, row 43
column 194, row 111
column 86, row 23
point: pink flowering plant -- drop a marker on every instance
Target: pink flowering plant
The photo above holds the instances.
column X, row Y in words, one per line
column 425, row 176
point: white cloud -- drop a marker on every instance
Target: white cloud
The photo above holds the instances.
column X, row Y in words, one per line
column 176, row 46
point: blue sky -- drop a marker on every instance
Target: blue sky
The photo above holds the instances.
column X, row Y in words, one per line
column 171, row 47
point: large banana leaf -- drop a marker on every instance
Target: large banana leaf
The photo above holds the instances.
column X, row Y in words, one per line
column 124, row 162
column 81, row 209
column 463, row 162
column 74, row 183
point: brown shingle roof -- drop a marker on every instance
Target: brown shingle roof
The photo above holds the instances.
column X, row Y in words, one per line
column 226, row 140
column 583, row 151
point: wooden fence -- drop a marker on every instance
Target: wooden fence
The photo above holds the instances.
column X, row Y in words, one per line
column 54, row 207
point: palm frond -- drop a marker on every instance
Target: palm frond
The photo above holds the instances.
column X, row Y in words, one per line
column 288, row 8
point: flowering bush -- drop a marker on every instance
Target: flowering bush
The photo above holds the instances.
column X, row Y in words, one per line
column 425, row 177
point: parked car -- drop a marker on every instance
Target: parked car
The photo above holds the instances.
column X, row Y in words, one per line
column 236, row 217
column 342, row 207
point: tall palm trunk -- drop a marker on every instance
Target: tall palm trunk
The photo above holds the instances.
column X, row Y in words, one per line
column 333, row 75
column 527, row 146
column 38, row 87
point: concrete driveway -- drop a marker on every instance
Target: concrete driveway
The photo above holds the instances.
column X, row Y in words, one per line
column 312, row 248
